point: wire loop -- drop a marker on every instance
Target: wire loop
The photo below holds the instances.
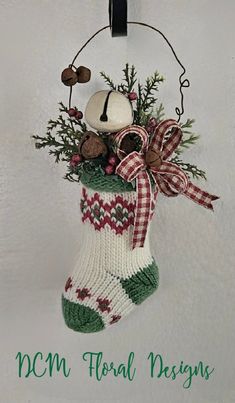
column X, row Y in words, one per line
column 183, row 82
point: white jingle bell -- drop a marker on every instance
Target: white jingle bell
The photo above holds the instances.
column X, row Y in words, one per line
column 109, row 111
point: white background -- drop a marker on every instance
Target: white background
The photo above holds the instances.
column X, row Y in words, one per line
column 191, row 316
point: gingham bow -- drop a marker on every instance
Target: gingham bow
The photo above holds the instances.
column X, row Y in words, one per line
column 169, row 178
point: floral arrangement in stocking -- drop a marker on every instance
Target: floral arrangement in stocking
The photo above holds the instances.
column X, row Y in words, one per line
column 130, row 154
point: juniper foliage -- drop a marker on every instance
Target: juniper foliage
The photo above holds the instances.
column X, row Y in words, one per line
column 64, row 133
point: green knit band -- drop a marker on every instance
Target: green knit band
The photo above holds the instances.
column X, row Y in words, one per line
column 81, row 318
column 106, row 183
column 142, row 284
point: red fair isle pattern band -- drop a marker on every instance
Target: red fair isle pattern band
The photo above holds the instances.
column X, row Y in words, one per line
column 118, row 213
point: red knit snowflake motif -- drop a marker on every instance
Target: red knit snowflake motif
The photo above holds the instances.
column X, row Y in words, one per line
column 115, row 319
column 83, row 293
column 68, row 284
column 103, row 304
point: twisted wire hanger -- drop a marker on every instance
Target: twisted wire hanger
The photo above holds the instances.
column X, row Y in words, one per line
column 183, row 82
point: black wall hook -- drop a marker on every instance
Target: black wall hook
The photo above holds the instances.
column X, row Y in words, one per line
column 118, row 17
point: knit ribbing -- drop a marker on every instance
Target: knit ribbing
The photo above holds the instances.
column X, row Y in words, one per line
column 105, row 183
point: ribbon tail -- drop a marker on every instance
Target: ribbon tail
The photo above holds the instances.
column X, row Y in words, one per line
column 199, row 196
column 142, row 210
column 154, row 193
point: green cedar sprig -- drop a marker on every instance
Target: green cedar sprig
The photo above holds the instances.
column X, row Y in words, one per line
column 146, row 93
column 128, row 81
column 108, row 81
column 63, row 134
column 191, row 170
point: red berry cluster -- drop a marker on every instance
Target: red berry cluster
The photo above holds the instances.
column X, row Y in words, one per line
column 112, row 163
column 132, row 96
column 151, row 125
column 74, row 113
column 75, row 160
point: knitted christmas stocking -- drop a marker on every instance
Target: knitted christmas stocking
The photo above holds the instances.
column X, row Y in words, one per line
column 110, row 278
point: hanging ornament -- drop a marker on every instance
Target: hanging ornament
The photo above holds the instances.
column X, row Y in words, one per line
column 133, row 154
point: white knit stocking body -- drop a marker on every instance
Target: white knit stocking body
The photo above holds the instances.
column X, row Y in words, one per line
column 110, row 278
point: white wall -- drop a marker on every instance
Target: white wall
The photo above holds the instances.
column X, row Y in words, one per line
column 191, row 317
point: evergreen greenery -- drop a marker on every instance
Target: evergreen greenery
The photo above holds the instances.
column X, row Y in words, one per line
column 63, row 134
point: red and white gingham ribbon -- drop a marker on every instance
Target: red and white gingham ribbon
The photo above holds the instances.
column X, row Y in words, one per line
column 169, row 178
